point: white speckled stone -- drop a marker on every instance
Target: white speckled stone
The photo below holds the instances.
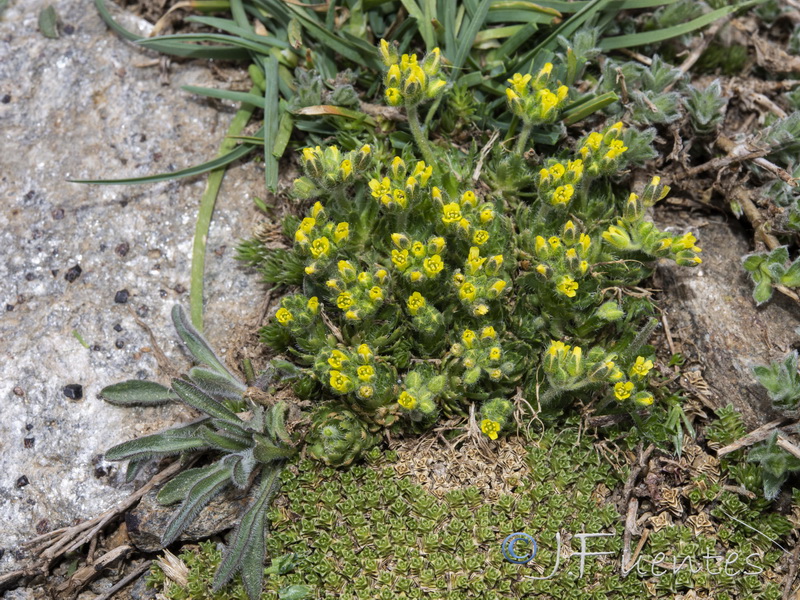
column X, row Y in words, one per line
column 79, row 107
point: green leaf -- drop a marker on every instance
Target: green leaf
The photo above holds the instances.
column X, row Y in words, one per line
column 792, row 276
column 177, row 488
column 137, row 393
column 467, row 36
column 246, row 552
column 220, row 441
column 134, row 466
column 295, row 592
column 200, row 494
column 272, row 117
column 156, row 445
column 328, row 110
column 234, row 155
column 216, row 385
column 763, row 291
column 261, row 43
column 196, row 398
column 753, row 261
column 276, row 424
column 267, row 452
column 244, row 97
column 580, row 110
column 196, row 343
column 48, row 22
column 659, row 35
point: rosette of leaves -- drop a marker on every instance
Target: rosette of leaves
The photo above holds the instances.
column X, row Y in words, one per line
column 338, row 436
column 776, row 465
column 245, row 440
column 782, row 382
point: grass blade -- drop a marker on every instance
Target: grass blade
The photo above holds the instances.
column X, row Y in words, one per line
column 582, row 109
column 651, row 37
column 467, row 37
column 271, row 121
column 245, row 97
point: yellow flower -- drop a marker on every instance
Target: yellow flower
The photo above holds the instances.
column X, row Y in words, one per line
column 575, row 167
column 436, row 194
column 283, row 316
column 415, row 302
column 364, row 352
column 399, row 197
column 520, row 82
column 337, row 359
column 480, row 309
column 563, row 194
column 468, row 198
column 418, row 249
column 622, row 391
column 557, row 171
column 393, row 76
column 495, row 374
column 433, row 265
column 300, row 237
column 451, row 213
column 398, row 164
column 342, row 232
column 340, row 382
column 366, row 391
column 474, row 260
column 380, row 188
column 468, row 337
column 365, row 373
column 375, row 293
column 568, row 286
column 351, row 315
column 548, row 100
column 407, row 401
column 346, row 168
column 616, row 148
column 381, row 275
column 541, row 269
column 557, row 347
column 309, row 154
column 467, row 292
column 313, row 304
column 641, row 367
column 307, row 224
column 555, row 242
column 393, row 96
column 488, row 333
column 594, row 140
column 495, row 353
column 490, row 428
column 400, row 259
column 480, row 237
column 498, row 286
column 585, row 241
column 316, row 209
column 320, row 247
column 539, row 244
column 487, row 214
column 345, row 300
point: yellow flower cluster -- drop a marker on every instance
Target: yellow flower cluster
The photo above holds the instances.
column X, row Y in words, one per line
column 319, row 239
column 645, row 236
column 533, row 100
column 480, row 352
column 408, row 81
column 470, row 218
column 480, row 282
column 564, row 259
column 354, row 370
column 358, row 295
column 635, row 388
column 404, row 188
column 600, row 151
column 297, row 312
column 417, row 261
column 328, row 168
column 558, row 182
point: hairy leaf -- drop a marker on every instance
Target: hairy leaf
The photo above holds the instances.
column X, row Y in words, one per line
column 199, row 495
column 178, row 487
column 216, row 385
column 137, row 393
column 196, row 398
column 197, row 345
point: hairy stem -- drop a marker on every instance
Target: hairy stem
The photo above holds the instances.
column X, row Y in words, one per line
column 419, row 135
column 523, row 138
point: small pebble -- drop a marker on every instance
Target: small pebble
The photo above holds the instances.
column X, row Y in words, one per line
column 120, row 344
column 9, row 307
column 73, row 391
column 42, row 526
column 179, row 289
column 73, row 273
column 22, row 482
column 122, row 249
column 117, row 327
column 142, row 311
column 121, row 297
column 18, row 391
column 6, row 99
column 29, row 276
column 162, row 293
column 29, row 426
column 28, row 442
column 68, row 29
column 58, row 213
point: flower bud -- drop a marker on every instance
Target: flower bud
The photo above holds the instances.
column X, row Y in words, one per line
column 388, row 53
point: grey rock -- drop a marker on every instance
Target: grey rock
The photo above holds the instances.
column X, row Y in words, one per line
column 86, row 106
column 715, row 322
column 147, row 522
